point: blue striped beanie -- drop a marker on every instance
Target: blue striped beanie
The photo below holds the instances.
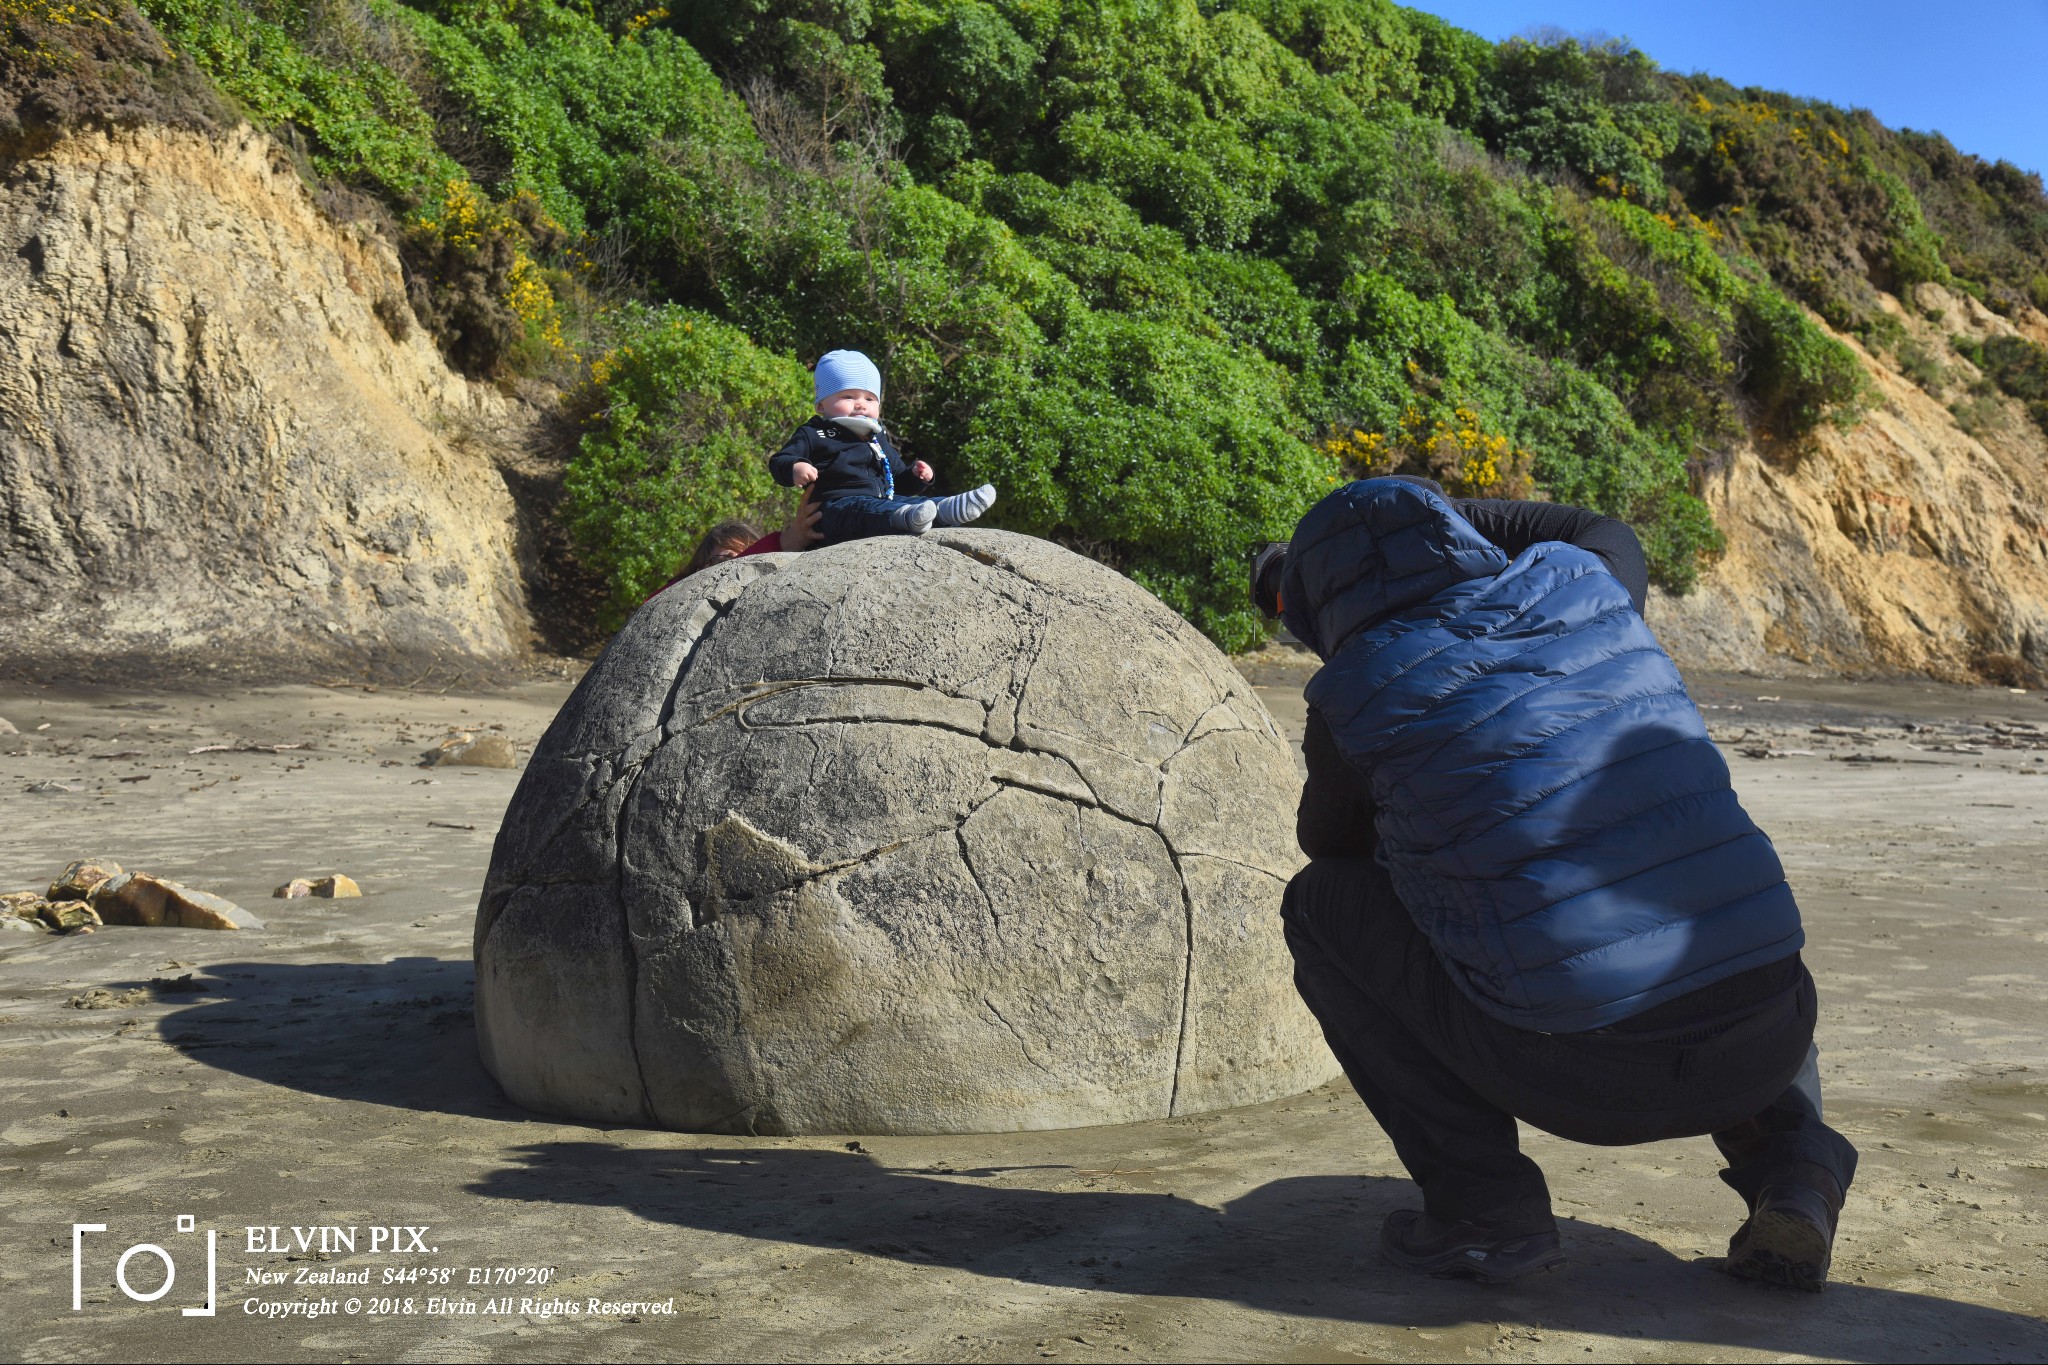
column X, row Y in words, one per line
column 841, row 370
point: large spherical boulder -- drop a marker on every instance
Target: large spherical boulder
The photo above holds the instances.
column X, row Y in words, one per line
column 961, row 833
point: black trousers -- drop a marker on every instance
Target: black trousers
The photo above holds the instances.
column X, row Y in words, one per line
column 1447, row 1080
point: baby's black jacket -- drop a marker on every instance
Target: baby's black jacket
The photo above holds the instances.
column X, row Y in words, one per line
column 846, row 463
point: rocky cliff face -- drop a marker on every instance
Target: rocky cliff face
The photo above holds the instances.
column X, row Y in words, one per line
column 1906, row 544
column 221, row 441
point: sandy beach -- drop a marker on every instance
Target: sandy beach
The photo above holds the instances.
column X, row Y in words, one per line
column 322, row 1073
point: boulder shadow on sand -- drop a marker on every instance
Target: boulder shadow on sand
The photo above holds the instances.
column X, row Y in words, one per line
column 1302, row 1245
column 396, row 1033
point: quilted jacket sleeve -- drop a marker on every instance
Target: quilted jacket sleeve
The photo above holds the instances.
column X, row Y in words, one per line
column 1335, row 819
column 1515, row 526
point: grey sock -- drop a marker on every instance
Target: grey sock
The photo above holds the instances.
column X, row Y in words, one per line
column 914, row 517
column 962, row 508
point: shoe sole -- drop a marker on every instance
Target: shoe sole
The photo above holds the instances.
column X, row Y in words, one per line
column 1782, row 1249
column 1456, row 1265
column 1542, row 1267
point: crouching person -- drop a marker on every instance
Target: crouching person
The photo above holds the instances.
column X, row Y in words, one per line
column 1532, row 893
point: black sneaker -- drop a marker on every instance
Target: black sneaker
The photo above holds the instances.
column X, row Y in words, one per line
column 1788, row 1240
column 1415, row 1241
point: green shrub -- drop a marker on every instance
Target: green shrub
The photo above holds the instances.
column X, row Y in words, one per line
column 351, row 81
column 2012, row 365
column 1595, row 110
column 1590, row 453
column 1415, row 364
column 1661, row 331
column 1882, row 332
column 1918, row 364
column 1980, row 414
column 366, row 124
column 1991, row 216
column 1801, row 376
column 473, row 280
column 2018, row 366
column 1161, row 453
column 687, row 412
column 552, row 104
column 1915, row 255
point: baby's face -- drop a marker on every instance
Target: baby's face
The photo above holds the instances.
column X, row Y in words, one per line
column 851, row 403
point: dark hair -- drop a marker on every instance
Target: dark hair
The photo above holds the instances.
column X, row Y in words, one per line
column 726, row 533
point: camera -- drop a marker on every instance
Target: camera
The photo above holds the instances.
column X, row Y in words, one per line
column 1267, row 562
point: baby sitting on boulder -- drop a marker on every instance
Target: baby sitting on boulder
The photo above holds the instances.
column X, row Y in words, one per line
column 860, row 477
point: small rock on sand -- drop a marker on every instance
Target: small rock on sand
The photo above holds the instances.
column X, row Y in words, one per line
column 337, row 886
column 7, row 727
column 489, row 751
column 78, row 881
column 100, row 998
column 157, row 902
column 69, row 916
column 22, row 910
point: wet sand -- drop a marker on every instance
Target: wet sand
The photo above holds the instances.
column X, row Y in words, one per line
column 323, row 1072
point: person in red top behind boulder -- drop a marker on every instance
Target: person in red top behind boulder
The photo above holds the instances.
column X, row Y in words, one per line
column 737, row 539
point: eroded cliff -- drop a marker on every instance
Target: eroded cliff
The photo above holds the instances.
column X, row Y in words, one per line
column 221, row 441
column 1903, row 544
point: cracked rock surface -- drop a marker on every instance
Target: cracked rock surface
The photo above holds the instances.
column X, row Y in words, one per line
column 962, row 833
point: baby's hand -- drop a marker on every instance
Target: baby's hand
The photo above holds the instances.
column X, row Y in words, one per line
column 803, row 473
column 922, row 470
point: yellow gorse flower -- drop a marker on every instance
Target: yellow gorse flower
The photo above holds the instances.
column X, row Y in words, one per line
column 44, row 12
column 23, row 43
column 1457, row 450
column 465, row 219
column 640, row 21
column 1361, row 454
column 1747, row 120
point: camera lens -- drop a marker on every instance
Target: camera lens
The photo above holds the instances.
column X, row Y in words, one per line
column 1268, row 564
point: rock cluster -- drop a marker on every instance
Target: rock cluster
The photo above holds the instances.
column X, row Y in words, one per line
column 911, row 835
column 95, row 891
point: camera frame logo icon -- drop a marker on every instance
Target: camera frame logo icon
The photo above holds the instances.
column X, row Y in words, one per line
column 186, row 1223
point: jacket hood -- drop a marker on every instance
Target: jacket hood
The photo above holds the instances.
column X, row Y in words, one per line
column 1371, row 549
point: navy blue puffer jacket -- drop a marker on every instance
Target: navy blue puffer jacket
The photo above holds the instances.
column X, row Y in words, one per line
column 1551, row 809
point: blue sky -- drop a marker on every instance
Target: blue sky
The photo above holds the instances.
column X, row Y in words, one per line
column 1977, row 72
